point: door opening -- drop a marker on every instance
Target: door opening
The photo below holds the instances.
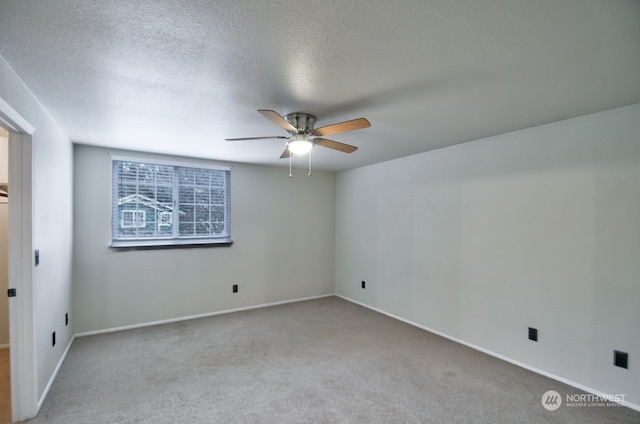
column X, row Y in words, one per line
column 5, row 373
column 24, row 404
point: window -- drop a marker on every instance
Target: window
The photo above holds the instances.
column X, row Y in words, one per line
column 165, row 219
column 133, row 218
column 168, row 204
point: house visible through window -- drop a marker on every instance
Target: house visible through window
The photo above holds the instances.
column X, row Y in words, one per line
column 167, row 204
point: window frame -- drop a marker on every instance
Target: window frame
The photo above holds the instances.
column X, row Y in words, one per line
column 174, row 240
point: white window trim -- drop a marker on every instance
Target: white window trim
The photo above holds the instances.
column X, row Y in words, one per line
column 175, row 162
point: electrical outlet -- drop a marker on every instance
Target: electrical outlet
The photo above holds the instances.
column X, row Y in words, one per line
column 621, row 359
column 533, row 334
column 235, row 288
column 363, row 284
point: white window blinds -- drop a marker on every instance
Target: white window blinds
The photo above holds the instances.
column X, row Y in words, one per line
column 163, row 204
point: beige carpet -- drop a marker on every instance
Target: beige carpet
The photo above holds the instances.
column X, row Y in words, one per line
column 320, row 361
column 5, row 387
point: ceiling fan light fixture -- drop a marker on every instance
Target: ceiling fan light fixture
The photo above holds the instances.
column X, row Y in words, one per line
column 300, row 144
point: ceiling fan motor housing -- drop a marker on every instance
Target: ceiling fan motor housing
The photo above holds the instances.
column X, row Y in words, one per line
column 302, row 121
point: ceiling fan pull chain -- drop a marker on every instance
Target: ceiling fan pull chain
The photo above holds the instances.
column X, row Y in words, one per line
column 309, row 174
column 290, row 164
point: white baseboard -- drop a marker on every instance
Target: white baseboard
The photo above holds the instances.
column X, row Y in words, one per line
column 208, row 314
column 491, row 353
column 53, row 376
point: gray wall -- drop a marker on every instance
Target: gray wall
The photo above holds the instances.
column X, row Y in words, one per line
column 479, row 241
column 283, row 249
column 52, row 217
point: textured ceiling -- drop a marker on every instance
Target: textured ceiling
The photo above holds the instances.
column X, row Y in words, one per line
column 180, row 76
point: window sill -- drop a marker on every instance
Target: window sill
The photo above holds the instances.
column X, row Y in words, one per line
column 167, row 244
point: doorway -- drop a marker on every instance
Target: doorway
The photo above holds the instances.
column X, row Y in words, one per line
column 5, row 365
column 21, row 353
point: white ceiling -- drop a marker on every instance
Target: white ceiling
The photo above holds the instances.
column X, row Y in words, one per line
column 178, row 77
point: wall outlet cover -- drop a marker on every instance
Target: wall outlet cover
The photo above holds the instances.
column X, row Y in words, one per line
column 621, row 359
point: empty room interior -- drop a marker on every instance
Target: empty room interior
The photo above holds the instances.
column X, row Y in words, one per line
column 422, row 211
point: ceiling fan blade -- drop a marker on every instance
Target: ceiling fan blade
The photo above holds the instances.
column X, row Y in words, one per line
column 347, row 148
column 275, row 117
column 255, row 138
column 354, row 124
column 286, row 154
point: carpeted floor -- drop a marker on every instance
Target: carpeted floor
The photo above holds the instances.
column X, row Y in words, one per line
column 5, row 387
column 319, row 361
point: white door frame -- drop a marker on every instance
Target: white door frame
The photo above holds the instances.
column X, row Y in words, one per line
column 24, row 403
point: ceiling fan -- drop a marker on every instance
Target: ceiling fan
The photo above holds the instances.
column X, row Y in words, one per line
column 303, row 136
